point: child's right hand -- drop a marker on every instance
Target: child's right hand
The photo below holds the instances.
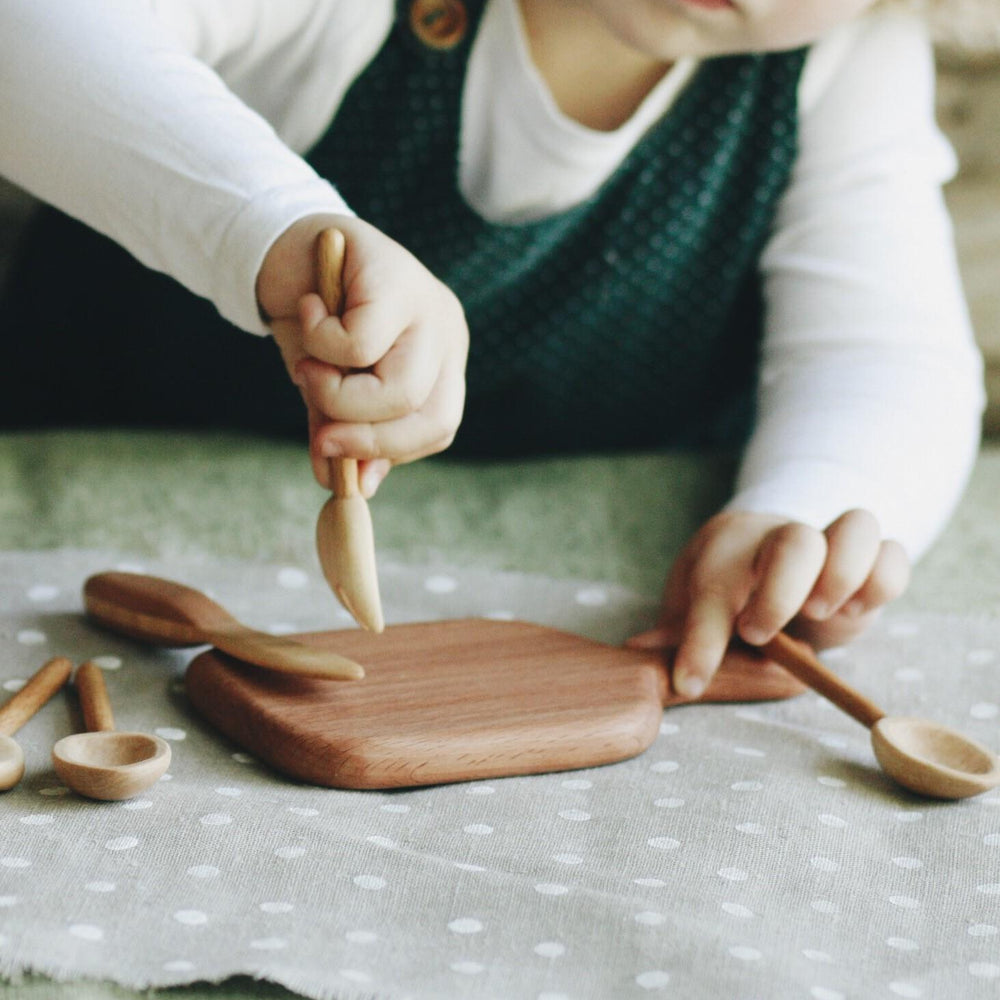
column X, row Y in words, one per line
column 385, row 381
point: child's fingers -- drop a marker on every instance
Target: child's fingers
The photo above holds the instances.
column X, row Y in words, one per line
column 853, row 542
column 788, row 564
column 888, row 578
column 707, row 633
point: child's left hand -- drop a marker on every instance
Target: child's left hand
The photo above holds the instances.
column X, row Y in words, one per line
column 751, row 575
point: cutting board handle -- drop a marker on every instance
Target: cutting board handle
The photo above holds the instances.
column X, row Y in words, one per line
column 153, row 610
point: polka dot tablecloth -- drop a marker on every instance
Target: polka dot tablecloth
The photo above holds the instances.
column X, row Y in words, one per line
column 753, row 851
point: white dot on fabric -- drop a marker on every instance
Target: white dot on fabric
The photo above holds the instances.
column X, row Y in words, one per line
column 650, row 883
column 832, row 821
column 823, row 957
column 14, row 684
column 228, row 792
column 831, row 782
column 749, row 752
column 371, row 882
column 137, row 805
column 354, row 975
column 43, row 592
column 465, row 925
column 989, row 889
column 669, row 728
column 905, row 902
column 203, row 871
column 548, row 995
column 465, row 867
column 171, row 733
column 984, row 930
column 276, row 907
column 833, row 742
column 467, row 968
column 905, row 990
column 191, row 918
column 669, row 803
column 550, row 949
column 568, row 859
column 984, row 970
column 902, row 944
column 15, row 862
column 738, row 910
column 551, row 889
column 824, row 906
column 121, row 843
column 578, row 784
column 753, row 829
column 290, row 853
column 179, row 965
column 745, row 953
column 31, row 637
column 386, row 842
column 746, row 786
column 501, row 616
column 8, row 901
column 655, row 979
column 823, row 993
column 38, row 819
column 574, row 815
column 909, row 816
column 825, row 864
column 361, row 937
column 216, row 819
column 87, row 932
column 665, row 766
column 292, row 578
column 478, row 790
column 902, row 629
column 664, row 843
column 395, row 807
column 478, row 829
column 592, row 597
column 980, row 657
column 733, row 874
column 268, row 944
column 107, row 662
column 650, row 918
column 441, row 584
column 984, row 710
column 303, row 811
column 242, row 758
column 908, row 863
column 909, row 675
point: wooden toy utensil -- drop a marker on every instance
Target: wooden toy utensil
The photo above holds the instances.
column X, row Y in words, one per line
column 457, row 700
column 345, row 540
column 103, row 763
column 923, row 756
column 165, row 613
column 22, row 706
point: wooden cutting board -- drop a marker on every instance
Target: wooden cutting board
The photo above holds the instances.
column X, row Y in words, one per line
column 456, row 700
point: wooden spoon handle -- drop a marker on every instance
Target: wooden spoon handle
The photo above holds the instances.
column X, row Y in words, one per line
column 94, row 701
column 42, row 685
column 801, row 662
column 330, row 251
column 153, row 610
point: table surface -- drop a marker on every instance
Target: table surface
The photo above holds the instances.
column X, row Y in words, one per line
column 216, row 507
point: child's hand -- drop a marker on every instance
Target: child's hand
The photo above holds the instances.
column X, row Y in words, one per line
column 751, row 575
column 385, row 381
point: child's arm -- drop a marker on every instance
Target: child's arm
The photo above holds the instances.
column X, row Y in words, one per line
column 870, row 387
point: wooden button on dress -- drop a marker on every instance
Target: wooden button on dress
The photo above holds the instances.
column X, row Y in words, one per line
column 439, row 24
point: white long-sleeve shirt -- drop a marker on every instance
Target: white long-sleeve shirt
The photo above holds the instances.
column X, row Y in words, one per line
column 177, row 126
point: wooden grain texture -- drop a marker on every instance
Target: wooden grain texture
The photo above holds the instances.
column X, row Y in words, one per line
column 455, row 701
column 41, row 686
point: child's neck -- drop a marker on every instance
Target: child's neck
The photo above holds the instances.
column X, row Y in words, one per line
column 594, row 77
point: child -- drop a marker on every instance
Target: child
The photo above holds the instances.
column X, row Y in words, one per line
column 667, row 223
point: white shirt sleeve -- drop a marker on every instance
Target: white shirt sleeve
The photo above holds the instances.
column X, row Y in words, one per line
column 871, row 385
column 109, row 116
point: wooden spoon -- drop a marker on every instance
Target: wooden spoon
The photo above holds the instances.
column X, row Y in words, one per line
column 101, row 763
column 169, row 614
column 923, row 756
column 21, row 707
column 345, row 541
